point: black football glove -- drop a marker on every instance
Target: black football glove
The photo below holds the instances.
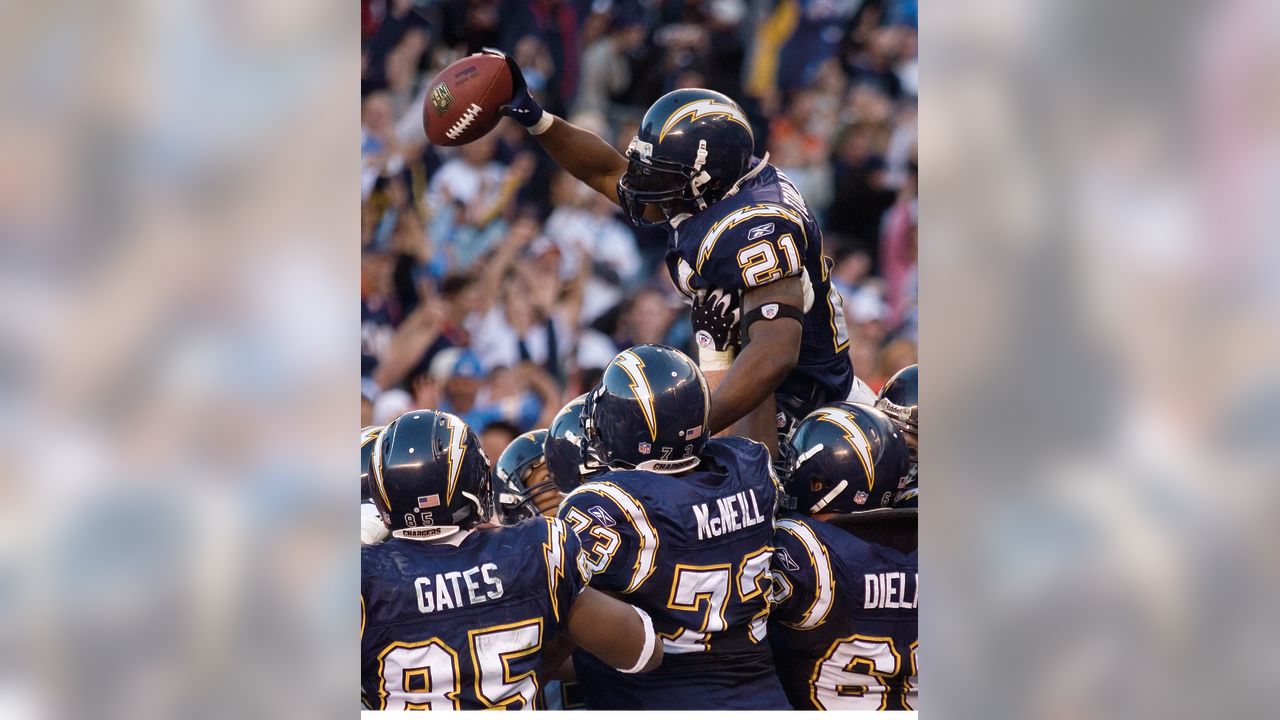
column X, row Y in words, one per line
column 715, row 317
column 522, row 108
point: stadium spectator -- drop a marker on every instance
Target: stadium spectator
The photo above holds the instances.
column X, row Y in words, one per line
column 495, row 285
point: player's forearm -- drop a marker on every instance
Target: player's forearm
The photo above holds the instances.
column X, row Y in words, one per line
column 585, row 156
column 761, row 424
column 754, row 376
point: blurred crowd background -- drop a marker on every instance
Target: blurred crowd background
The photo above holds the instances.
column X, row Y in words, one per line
column 497, row 286
column 177, row 384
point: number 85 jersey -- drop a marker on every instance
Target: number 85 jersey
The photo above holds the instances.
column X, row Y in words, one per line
column 844, row 618
column 462, row 625
column 761, row 234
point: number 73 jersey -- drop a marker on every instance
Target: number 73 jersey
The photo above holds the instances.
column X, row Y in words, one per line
column 844, row 617
column 692, row 551
column 761, row 234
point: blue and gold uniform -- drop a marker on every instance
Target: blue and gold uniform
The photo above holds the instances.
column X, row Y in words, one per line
column 844, row 618
column 763, row 233
column 693, row 551
column 462, row 625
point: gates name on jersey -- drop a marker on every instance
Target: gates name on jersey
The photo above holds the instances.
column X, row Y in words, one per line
column 651, row 537
column 844, row 617
column 760, row 234
column 448, row 626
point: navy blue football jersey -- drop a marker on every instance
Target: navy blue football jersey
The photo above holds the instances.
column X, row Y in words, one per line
column 844, row 618
column 463, row 627
column 692, row 551
column 760, row 234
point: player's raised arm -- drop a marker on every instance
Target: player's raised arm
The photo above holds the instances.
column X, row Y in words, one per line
column 581, row 152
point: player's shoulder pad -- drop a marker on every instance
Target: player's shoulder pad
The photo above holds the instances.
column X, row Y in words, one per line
column 752, row 245
column 608, row 501
column 738, row 452
column 744, row 455
column 804, row 571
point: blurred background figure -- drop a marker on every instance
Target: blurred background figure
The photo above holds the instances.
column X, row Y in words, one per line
column 489, row 248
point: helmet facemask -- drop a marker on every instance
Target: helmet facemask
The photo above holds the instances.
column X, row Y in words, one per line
column 674, row 187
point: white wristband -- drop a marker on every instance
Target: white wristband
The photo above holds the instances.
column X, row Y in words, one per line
column 710, row 359
column 649, row 643
column 543, row 124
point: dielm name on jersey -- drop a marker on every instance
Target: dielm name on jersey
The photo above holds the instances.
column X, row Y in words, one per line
column 889, row 591
column 444, row 592
column 729, row 518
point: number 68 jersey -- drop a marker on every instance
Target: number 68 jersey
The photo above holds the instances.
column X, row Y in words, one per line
column 844, row 617
column 462, row 626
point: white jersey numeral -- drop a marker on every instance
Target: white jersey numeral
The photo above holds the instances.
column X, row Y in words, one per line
column 861, row 672
column 426, row 675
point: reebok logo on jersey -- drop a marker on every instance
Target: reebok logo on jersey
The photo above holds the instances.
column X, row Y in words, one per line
column 602, row 515
column 784, row 557
column 760, row 231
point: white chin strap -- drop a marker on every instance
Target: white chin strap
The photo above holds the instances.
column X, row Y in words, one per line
column 701, row 178
column 670, row 467
column 429, row 533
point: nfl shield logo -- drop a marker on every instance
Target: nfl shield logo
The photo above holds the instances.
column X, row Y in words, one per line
column 441, row 98
column 770, row 311
column 645, row 448
column 860, row 498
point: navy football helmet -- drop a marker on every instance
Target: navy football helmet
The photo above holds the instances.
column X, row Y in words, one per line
column 368, row 435
column 844, row 458
column 513, row 495
column 649, row 411
column 899, row 399
column 428, row 475
column 566, row 448
column 693, row 147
